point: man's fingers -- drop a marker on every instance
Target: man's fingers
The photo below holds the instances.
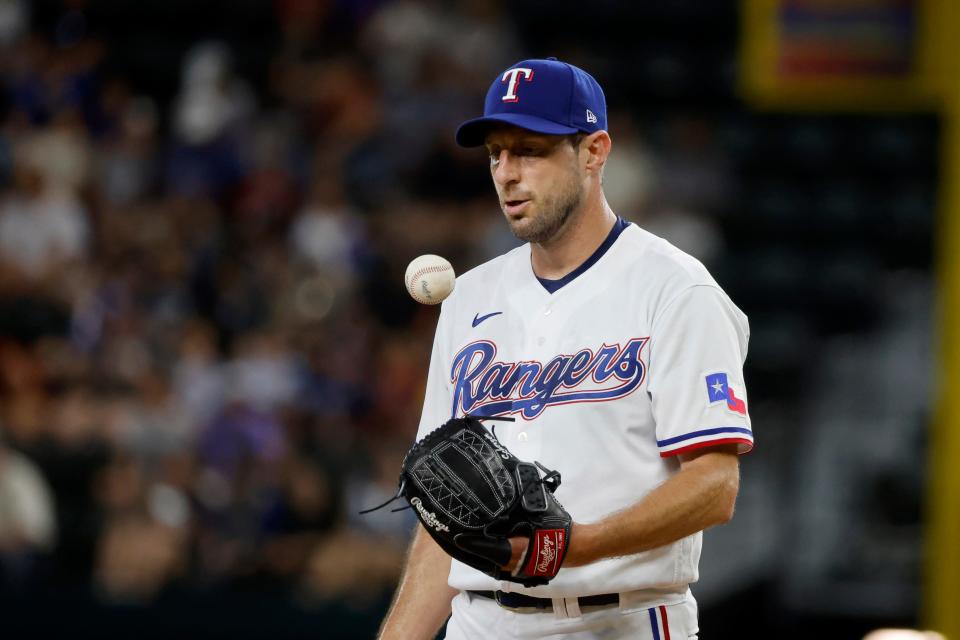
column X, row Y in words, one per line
column 518, row 547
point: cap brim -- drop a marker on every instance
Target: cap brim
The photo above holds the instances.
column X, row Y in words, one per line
column 472, row 133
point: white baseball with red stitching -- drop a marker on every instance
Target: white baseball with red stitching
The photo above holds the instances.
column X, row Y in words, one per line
column 430, row 279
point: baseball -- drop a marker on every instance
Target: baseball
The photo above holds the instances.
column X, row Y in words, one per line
column 430, row 279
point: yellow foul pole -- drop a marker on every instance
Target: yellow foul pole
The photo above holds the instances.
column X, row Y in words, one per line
column 942, row 582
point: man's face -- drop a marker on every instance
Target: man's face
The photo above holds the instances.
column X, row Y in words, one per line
column 538, row 180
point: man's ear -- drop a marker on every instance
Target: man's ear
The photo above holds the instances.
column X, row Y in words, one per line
column 597, row 147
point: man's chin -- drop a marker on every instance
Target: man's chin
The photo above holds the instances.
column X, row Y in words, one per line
column 527, row 230
column 519, row 226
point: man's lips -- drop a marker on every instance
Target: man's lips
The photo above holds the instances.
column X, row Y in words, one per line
column 514, row 207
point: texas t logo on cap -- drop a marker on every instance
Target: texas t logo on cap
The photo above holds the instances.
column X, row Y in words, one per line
column 544, row 96
column 511, row 77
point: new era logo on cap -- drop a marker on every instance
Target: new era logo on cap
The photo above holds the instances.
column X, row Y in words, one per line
column 545, row 96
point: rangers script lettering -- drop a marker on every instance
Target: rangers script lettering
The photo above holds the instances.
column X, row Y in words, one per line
column 488, row 388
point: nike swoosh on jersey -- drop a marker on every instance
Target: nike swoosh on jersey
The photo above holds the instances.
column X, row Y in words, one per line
column 477, row 319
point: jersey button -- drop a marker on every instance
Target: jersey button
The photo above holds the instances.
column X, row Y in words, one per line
column 522, row 436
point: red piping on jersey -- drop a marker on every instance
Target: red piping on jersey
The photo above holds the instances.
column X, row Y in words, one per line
column 708, row 443
column 666, row 623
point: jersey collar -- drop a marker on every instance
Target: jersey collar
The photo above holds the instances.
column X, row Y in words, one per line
column 553, row 286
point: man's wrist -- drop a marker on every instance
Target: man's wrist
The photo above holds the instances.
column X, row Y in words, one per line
column 581, row 545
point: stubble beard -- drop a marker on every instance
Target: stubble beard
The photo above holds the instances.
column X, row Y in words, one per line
column 553, row 217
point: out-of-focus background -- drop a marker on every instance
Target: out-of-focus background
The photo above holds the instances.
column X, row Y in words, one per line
column 209, row 363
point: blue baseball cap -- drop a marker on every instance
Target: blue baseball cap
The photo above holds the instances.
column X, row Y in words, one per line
column 546, row 96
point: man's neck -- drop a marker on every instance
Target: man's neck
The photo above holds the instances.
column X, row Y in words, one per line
column 574, row 243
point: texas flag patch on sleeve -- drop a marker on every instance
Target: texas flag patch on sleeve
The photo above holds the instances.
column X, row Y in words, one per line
column 719, row 390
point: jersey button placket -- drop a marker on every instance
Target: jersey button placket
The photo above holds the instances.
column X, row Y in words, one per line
column 547, row 310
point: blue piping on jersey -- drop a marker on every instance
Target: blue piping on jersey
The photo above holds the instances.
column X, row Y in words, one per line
column 703, row 432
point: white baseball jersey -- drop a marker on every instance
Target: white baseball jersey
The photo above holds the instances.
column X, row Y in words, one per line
column 633, row 358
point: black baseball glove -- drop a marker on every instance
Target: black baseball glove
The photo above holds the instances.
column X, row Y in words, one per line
column 472, row 495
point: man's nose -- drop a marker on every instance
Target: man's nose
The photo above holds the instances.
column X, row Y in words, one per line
column 506, row 169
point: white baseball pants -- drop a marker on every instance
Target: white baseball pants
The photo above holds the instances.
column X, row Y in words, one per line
column 478, row 618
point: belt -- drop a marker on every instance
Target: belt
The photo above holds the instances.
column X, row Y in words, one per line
column 521, row 601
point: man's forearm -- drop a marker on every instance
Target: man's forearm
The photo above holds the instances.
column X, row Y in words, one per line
column 422, row 602
column 700, row 495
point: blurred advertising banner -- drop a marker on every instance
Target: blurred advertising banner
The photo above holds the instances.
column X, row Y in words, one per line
column 862, row 55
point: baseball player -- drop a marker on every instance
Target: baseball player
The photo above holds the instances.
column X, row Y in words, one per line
column 620, row 359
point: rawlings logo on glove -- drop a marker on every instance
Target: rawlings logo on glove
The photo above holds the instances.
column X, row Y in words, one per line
column 545, row 553
column 472, row 495
column 428, row 518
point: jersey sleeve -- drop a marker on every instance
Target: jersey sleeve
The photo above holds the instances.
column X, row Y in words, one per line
column 697, row 350
column 438, row 399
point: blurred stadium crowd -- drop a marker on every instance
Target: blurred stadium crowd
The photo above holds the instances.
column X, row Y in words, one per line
column 208, row 365
column 208, row 362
